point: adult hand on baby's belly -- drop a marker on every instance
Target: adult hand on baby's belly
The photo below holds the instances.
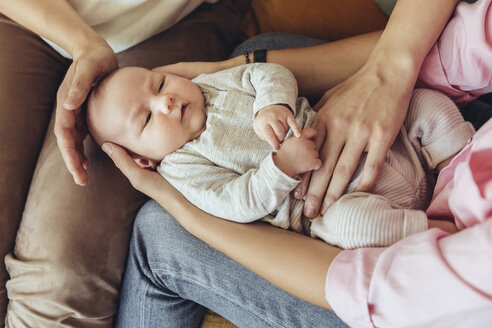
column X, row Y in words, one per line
column 348, row 126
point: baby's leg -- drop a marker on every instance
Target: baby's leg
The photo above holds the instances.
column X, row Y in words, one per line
column 435, row 126
column 362, row 219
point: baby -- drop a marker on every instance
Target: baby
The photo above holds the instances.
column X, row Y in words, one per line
column 212, row 138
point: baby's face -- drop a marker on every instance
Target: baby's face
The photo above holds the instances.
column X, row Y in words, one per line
column 151, row 114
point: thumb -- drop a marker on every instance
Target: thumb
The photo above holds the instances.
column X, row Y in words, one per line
column 120, row 157
column 141, row 179
column 309, row 133
column 291, row 121
column 79, row 88
column 323, row 99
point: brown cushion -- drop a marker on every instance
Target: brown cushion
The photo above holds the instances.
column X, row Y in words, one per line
column 324, row 19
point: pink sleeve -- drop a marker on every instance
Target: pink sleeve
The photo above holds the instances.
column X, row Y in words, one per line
column 460, row 63
column 430, row 279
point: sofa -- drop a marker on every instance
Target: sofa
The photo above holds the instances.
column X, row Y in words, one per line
column 83, row 279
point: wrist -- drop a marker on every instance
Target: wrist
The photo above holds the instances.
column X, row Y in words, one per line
column 232, row 62
column 88, row 41
column 392, row 65
column 282, row 164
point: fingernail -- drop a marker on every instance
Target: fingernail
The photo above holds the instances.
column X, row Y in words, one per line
column 310, row 211
column 325, row 207
column 71, row 97
column 107, row 149
column 297, row 193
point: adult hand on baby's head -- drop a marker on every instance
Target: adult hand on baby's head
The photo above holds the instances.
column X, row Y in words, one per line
column 144, row 180
column 362, row 114
column 88, row 67
column 272, row 123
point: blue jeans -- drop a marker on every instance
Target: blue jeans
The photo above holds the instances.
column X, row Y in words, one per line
column 172, row 277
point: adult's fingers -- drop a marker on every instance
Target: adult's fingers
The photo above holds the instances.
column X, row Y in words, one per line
column 291, row 121
column 78, row 88
column 344, row 169
column 73, row 156
column 320, row 178
column 62, row 94
column 123, row 161
column 309, row 133
column 298, row 192
column 147, row 181
column 376, row 156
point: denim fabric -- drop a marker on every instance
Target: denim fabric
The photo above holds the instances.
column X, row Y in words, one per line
column 274, row 41
column 172, row 276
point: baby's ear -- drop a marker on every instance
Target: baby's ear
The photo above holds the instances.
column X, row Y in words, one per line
column 144, row 162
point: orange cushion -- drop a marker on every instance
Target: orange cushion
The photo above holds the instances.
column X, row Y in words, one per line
column 324, row 19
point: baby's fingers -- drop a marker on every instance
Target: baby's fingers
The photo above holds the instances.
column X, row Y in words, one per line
column 270, row 137
column 291, row 121
column 279, row 129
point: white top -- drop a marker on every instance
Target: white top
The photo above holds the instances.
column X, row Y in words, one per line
column 125, row 23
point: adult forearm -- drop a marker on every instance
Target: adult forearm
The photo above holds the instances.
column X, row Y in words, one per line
column 395, row 53
column 318, row 68
column 291, row 261
column 412, row 30
column 54, row 20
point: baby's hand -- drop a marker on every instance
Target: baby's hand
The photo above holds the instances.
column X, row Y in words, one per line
column 272, row 123
column 298, row 155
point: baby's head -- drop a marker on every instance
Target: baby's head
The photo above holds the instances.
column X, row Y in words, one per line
column 150, row 113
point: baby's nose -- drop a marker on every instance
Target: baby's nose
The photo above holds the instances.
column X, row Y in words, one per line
column 164, row 104
column 168, row 104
